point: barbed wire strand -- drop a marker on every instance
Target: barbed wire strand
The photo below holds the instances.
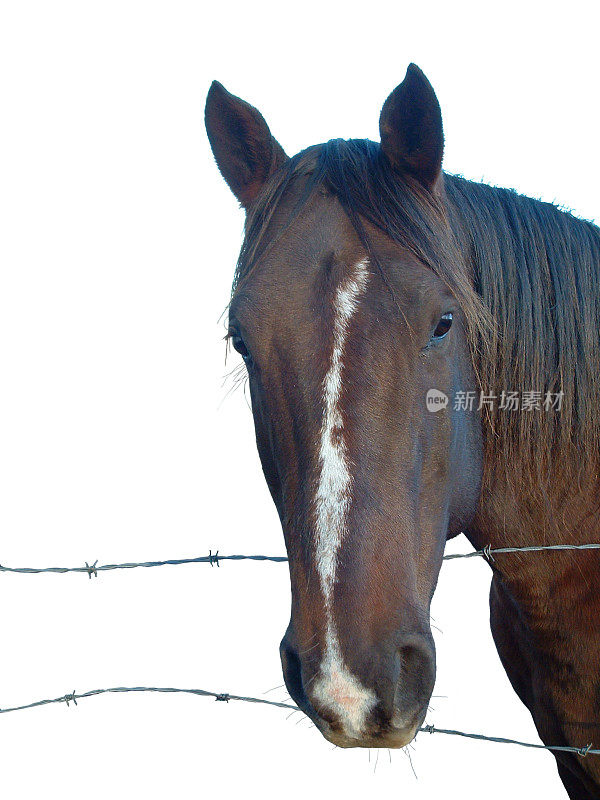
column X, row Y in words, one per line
column 214, row 559
column 488, row 552
column 226, row 697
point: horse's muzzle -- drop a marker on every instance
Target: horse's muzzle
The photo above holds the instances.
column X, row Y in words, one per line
column 381, row 704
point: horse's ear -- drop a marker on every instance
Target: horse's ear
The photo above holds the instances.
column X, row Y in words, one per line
column 411, row 130
column 241, row 141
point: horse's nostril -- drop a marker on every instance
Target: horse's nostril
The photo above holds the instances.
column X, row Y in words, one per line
column 292, row 673
column 417, row 674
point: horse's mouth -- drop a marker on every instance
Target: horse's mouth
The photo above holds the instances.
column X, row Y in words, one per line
column 393, row 740
column 393, row 736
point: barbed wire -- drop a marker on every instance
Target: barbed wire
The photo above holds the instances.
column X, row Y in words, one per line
column 580, row 751
column 73, row 697
column 489, row 552
column 214, row 559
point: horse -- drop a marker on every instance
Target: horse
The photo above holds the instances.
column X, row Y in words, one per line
column 423, row 360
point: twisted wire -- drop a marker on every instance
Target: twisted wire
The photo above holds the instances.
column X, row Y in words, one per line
column 214, row 559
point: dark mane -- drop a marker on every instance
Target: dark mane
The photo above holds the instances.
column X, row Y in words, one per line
column 537, row 269
column 526, row 275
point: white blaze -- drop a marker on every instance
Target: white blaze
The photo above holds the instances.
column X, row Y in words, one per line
column 336, row 687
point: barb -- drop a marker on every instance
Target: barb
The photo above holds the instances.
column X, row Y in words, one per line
column 214, row 559
column 227, row 697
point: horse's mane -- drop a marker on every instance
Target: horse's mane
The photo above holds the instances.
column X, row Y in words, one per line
column 537, row 269
column 526, row 274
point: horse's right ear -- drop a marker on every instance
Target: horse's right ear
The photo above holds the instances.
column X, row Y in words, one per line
column 244, row 149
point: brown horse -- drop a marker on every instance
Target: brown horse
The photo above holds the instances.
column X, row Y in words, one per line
column 423, row 359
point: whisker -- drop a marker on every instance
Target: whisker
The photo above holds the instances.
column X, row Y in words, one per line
column 314, row 636
column 310, row 680
column 281, row 685
column 376, row 762
column 308, row 649
column 222, row 314
column 248, row 402
column 238, row 377
column 411, row 763
column 232, row 374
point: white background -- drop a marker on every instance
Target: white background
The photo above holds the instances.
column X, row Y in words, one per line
column 118, row 242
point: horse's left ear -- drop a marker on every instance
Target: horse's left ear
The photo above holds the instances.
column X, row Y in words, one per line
column 242, row 144
column 411, row 130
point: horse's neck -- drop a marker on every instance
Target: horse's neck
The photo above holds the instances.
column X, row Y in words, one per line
column 510, row 516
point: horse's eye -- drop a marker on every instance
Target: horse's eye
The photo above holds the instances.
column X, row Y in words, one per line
column 443, row 326
column 238, row 344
